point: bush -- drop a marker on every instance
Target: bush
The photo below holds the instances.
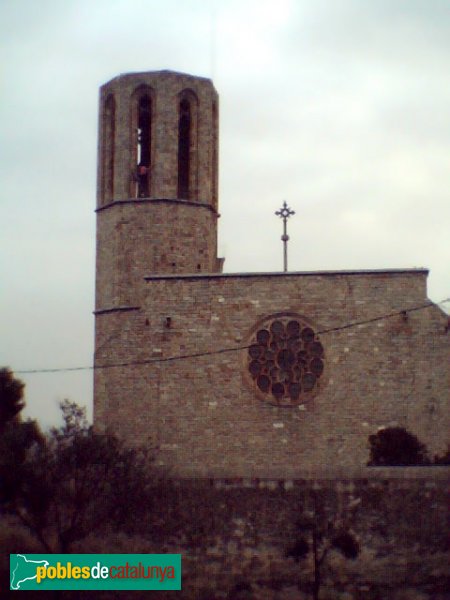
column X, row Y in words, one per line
column 444, row 459
column 77, row 481
column 394, row 447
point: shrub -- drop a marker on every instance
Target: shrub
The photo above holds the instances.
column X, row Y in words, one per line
column 395, row 446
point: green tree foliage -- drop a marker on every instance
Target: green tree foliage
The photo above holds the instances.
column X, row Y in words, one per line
column 11, row 397
column 321, row 530
column 444, row 459
column 18, row 438
column 71, row 482
column 85, row 481
column 395, row 446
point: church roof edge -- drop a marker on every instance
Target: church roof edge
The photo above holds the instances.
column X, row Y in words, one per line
column 412, row 271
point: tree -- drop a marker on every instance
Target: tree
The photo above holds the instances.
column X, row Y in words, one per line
column 79, row 481
column 17, row 437
column 320, row 531
column 444, row 459
column 11, row 397
column 395, row 446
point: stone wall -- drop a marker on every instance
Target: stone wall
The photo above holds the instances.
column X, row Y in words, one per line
column 140, row 237
column 164, row 88
column 242, row 375
column 157, row 231
column 235, row 535
column 203, row 413
column 247, row 530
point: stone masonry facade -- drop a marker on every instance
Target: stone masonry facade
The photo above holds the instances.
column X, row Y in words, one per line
column 247, row 374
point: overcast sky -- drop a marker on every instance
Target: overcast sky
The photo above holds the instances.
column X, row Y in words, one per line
column 340, row 107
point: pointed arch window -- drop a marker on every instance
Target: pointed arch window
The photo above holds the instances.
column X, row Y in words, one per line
column 109, row 119
column 144, row 145
column 141, row 121
column 214, row 166
column 184, row 148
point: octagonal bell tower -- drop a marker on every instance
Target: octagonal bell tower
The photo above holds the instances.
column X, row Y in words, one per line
column 157, row 182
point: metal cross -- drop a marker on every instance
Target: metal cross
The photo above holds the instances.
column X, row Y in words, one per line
column 285, row 212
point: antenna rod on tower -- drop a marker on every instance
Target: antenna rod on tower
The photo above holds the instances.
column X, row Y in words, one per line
column 285, row 212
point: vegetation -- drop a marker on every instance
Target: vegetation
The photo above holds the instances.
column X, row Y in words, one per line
column 395, row 446
column 11, row 397
column 65, row 485
column 444, row 459
column 320, row 531
column 75, row 490
column 18, row 440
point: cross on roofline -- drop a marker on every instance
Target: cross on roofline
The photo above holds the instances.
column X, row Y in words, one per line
column 285, row 212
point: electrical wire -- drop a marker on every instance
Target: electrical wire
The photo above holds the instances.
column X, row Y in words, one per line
column 226, row 350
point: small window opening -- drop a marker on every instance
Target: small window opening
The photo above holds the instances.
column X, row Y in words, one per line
column 108, row 149
column 214, row 165
column 184, row 144
column 199, row 267
column 143, row 146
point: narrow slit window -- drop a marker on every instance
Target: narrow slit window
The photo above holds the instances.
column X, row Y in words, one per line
column 144, row 130
column 108, row 148
column 184, row 145
column 214, row 155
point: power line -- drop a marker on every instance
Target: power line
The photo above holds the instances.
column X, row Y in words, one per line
column 385, row 316
column 226, row 350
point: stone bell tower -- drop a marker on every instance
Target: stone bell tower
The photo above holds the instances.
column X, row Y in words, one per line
column 157, row 183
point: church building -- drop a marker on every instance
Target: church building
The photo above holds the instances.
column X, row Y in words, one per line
column 243, row 374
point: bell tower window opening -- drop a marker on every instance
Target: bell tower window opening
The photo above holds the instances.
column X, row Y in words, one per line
column 184, row 148
column 214, row 166
column 109, row 117
column 143, row 151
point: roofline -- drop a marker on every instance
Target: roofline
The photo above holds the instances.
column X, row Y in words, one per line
column 175, row 276
column 157, row 72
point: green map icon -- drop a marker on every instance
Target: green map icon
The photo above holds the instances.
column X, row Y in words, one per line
column 23, row 569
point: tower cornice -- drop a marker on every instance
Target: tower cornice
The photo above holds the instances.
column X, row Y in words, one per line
column 160, row 201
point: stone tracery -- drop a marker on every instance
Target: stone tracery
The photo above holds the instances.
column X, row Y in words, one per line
column 286, row 360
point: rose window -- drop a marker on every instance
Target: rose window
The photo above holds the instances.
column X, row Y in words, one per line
column 285, row 360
